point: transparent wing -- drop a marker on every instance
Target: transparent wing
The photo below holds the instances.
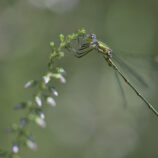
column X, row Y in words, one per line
column 131, row 71
column 150, row 106
column 140, row 59
column 121, row 89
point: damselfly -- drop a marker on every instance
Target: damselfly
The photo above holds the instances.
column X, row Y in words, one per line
column 91, row 43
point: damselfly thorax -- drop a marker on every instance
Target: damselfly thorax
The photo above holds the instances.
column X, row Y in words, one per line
column 100, row 47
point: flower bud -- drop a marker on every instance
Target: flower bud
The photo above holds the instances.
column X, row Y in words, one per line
column 46, row 79
column 38, row 101
column 41, row 114
column 52, row 45
column 51, row 101
column 54, row 91
column 30, row 84
column 61, row 37
column 23, row 123
column 40, row 122
column 31, row 144
column 15, row 148
column 20, row 106
column 60, row 70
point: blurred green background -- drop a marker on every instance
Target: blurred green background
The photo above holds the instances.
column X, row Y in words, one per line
column 90, row 120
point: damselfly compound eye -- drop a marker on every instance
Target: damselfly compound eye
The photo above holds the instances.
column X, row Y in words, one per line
column 92, row 36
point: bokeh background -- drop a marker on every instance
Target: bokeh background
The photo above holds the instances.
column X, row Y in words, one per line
column 90, row 120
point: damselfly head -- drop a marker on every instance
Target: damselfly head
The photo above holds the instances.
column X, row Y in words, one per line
column 91, row 37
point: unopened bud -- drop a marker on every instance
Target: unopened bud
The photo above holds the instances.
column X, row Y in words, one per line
column 51, row 101
column 38, row 101
column 30, row 84
column 54, row 91
column 15, row 148
column 40, row 122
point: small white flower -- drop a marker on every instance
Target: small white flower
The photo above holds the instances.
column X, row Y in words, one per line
column 15, row 148
column 38, row 101
column 55, row 92
column 40, row 122
column 59, row 76
column 46, row 79
column 51, row 101
column 28, row 84
column 61, row 70
column 42, row 116
column 32, row 145
column 62, row 79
